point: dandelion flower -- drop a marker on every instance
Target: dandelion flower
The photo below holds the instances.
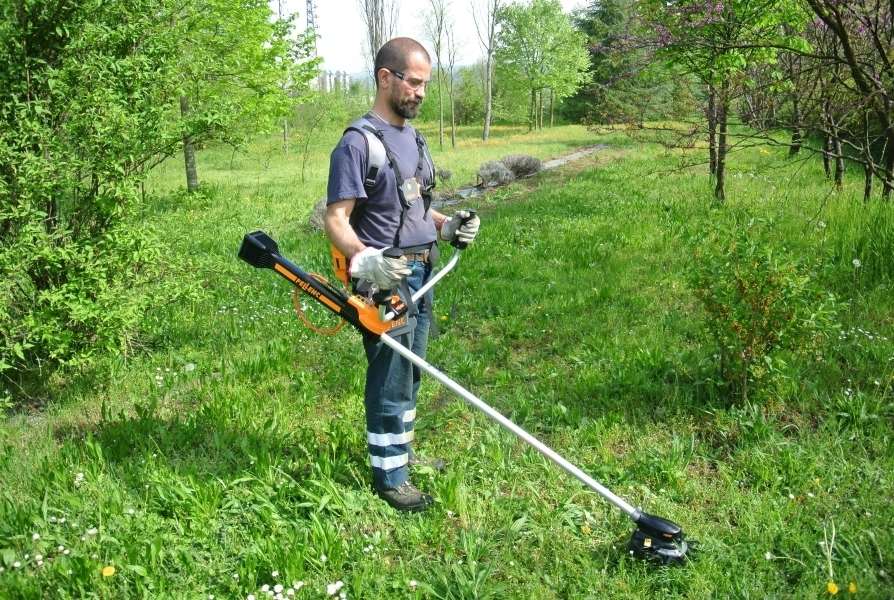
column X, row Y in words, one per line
column 277, row 588
column 322, row 558
column 108, row 571
column 274, row 574
column 35, row 537
column 343, row 596
column 768, row 555
column 852, row 587
column 40, row 563
column 832, row 588
column 290, row 592
column 413, row 583
column 16, row 565
column 66, row 552
column 265, row 588
column 92, row 531
column 856, row 262
column 250, row 597
column 38, row 557
column 297, row 584
column 333, row 588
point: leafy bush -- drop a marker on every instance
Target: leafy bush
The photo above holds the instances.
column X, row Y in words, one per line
column 763, row 306
column 84, row 112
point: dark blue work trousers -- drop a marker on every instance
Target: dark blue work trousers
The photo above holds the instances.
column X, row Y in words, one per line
column 392, row 383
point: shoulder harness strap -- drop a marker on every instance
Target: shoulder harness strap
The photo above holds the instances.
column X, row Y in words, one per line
column 377, row 154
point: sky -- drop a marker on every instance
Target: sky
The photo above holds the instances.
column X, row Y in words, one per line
column 342, row 34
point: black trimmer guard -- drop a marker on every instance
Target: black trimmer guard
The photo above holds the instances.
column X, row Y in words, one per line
column 659, row 540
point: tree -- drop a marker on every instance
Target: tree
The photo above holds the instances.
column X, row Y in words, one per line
column 865, row 36
column 717, row 42
column 238, row 71
column 627, row 84
column 379, row 17
column 487, row 28
column 89, row 96
column 450, row 37
column 538, row 49
column 436, row 28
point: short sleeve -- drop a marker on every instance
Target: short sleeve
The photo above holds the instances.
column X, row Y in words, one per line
column 346, row 170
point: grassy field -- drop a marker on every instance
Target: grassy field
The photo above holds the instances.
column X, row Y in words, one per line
column 229, row 453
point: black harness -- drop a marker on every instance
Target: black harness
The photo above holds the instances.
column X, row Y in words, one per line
column 378, row 153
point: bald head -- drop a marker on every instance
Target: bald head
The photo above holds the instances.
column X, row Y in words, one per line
column 394, row 55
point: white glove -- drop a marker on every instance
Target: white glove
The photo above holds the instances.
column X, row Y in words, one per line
column 455, row 228
column 371, row 265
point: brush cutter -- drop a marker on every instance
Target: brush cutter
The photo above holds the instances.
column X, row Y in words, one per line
column 385, row 315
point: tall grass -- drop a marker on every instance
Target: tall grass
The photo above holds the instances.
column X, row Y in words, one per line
column 232, row 448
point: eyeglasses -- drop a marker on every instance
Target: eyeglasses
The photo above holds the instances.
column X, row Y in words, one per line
column 415, row 83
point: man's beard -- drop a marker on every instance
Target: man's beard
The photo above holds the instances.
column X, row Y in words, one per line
column 408, row 109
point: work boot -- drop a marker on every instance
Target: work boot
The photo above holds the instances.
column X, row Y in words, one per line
column 405, row 497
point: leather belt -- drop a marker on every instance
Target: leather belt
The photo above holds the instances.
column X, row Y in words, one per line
column 423, row 256
column 419, row 253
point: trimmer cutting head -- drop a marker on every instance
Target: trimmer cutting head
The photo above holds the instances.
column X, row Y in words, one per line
column 659, row 540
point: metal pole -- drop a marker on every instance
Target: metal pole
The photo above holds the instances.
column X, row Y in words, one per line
column 545, row 450
column 431, row 282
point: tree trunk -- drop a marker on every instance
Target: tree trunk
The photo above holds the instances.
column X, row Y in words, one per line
column 722, row 109
column 540, row 109
column 827, row 151
column 712, row 130
column 440, row 110
column 795, row 146
column 531, row 122
column 839, row 162
column 552, row 111
column 452, row 117
column 867, row 181
column 889, row 166
column 189, row 151
column 488, row 96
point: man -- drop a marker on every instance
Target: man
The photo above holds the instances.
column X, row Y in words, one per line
column 369, row 210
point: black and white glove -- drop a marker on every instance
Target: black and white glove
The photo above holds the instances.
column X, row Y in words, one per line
column 370, row 264
column 462, row 226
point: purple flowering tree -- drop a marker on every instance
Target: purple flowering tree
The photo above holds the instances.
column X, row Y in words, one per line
column 717, row 42
column 860, row 38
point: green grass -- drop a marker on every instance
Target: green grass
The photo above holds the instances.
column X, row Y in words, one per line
column 233, row 444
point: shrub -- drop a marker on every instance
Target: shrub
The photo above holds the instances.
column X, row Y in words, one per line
column 764, row 310
column 522, row 165
column 494, row 173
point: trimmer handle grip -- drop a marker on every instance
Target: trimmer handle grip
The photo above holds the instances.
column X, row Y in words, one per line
column 456, row 243
column 384, row 296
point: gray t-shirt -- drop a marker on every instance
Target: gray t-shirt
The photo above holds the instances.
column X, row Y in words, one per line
column 381, row 206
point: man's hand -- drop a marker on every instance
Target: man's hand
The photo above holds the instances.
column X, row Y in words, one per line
column 371, row 265
column 455, row 228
